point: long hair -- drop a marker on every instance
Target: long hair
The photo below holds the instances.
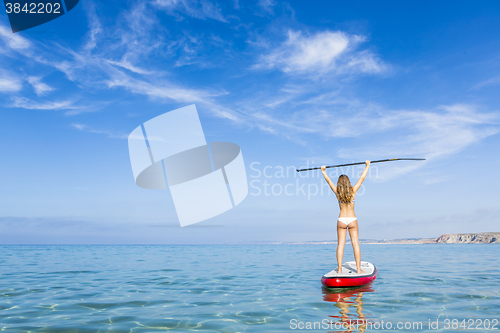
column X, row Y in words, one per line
column 344, row 189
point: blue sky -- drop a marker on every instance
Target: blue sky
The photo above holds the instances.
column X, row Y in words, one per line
column 292, row 83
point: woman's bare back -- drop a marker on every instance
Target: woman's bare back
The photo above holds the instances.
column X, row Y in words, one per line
column 346, row 209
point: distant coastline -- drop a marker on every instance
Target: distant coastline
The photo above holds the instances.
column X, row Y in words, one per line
column 472, row 238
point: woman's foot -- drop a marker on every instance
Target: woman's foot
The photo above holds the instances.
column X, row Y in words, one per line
column 339, row 270
column 360, row 271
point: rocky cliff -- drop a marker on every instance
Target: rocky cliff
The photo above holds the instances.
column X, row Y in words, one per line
column 479, row 238
column 476, row 238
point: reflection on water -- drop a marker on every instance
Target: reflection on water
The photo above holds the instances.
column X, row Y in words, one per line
column 350, row 304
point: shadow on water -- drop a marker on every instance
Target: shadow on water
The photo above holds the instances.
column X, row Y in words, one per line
column 349, row 302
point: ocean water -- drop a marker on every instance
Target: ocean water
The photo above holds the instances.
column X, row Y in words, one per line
column 245, row 288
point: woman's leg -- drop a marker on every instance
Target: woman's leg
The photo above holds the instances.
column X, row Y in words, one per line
column 354, row 233
column 341, row 236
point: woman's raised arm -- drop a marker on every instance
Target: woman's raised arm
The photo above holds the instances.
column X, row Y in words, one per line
column 356, row 187
column 328, row 180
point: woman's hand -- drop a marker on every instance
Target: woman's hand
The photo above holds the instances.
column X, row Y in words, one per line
column 367, row 163
column 323, row 168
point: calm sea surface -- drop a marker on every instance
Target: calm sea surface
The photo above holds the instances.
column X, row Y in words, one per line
column 245, row 288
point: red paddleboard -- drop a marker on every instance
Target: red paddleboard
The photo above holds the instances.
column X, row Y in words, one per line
column 349, row 276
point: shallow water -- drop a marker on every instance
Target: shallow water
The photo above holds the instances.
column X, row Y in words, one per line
column 244, row 288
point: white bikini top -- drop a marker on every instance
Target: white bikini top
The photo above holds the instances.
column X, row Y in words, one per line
column 346, row 202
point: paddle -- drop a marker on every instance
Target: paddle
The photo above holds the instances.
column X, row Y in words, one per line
column 379, row 161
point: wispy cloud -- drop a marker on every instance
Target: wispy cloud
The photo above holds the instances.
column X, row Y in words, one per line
column 432, row 133
column 14, row 41
column 486, row 83
column 436, row 180
column 95, row 28
column 112, row 134
column 128, row 65
column 159, row 90
column 202, row 9
column 109, row 60
column 267, row 6
column 9, row 84
column 40, row 87
column 25, row 103
column 108, row 133
column 321, row 53
column 71, row 106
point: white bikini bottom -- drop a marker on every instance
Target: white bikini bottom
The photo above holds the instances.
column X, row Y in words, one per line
column 347, row 220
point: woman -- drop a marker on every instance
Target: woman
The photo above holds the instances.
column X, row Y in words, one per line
column 347, row 218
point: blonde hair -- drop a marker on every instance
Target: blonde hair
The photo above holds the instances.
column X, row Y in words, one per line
column 344, row 189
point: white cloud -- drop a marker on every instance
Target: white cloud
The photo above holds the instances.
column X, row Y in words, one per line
column 380, row 133
column 127, row 65
column 21, row 102
column 94, row 25
column 429, row 133
column 198, row 9
column 133, row 40
column 436, row 180
column 267, row 6
column 364, row 62
column 323, row 52
column 14, row 41
column 112, row 134
column 137, row 34
column 109, row 134
column 160, row 90
column 9, row 84
column 165, row 90
column 487, row 83
column 79, row 126
column 40, row 87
